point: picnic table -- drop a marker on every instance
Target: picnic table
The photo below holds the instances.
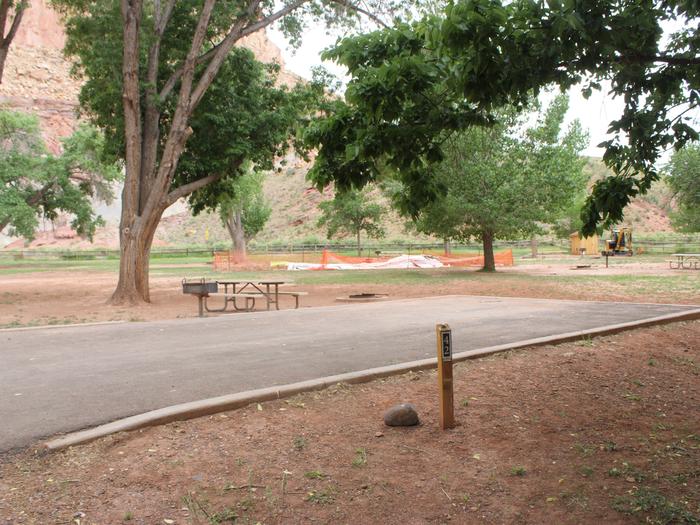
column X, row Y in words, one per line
column 268, row 290
column 687, row 261
column 242, row 294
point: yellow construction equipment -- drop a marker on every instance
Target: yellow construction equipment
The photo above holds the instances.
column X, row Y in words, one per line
column 619, row 243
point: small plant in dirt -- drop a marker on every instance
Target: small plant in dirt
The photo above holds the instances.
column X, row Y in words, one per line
column 299, row 442
column 614, row 472
column 609, row 446
column 224, row 516
column 654, row 506
column 679, row 479
column 584, row 449
column 586, row 342
column 464, row 402
column 128, row 516
column 315, row 474
column 631, row 473
column 322, row 497
column 575, row 498
column 246, row 504
column 518, row 471
column 586, row 471
column 360, row 459
column 200, row 508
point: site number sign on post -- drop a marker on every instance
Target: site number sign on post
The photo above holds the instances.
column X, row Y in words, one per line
column 444, row 357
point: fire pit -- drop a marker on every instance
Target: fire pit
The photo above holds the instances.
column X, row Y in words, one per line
column 362, row 298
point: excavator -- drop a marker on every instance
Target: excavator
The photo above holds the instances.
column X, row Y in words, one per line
column 619, row 243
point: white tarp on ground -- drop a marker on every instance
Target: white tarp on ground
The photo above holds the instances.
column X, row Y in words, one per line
column 399, row 262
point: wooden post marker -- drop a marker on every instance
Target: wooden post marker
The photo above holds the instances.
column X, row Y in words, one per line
column 444, row 358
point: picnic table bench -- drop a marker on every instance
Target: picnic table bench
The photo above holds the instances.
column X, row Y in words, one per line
column 684, row 261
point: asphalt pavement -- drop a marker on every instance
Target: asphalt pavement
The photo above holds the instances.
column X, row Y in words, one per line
column 63, row 379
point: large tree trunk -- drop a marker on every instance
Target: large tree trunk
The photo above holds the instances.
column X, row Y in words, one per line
column 448, row 247
column 234, row 224
column 135, row 252
column 359, row 244
column 489, row 261
column 533, row 247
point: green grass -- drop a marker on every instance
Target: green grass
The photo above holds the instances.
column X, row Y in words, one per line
column 681, row 284
column 36, row 265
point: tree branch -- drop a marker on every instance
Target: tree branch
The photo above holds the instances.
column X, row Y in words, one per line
column 4, row 11
column 15, row 22
column 272, row 18
column 186, row 189
column 362, row 11
column 164, row 17
column 672, row 60
column 235, row 33
column 151, row 128
column 131, row 19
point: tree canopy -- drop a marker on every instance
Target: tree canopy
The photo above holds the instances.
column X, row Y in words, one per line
column 35, row 184
column 684, row 179
column 352, row 212
column 412, row 85
column 244, row 210
column 507, row 180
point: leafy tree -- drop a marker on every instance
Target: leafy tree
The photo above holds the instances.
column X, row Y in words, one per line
column 684, row 178
column 505, row 180
column 244, row 210
column 149, row 66
column 6, row 38
column 35, row 184
column 352, row 212
column 244, row 123
column 414, row 84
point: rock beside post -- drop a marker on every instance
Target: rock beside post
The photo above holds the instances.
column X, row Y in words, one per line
column 403, row 415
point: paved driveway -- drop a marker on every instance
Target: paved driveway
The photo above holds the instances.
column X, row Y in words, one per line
column 63, row 379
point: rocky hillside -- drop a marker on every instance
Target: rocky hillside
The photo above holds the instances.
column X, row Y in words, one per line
column 37, row 77
column 645, row 214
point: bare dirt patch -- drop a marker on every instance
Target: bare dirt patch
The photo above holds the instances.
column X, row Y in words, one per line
column 599, row 431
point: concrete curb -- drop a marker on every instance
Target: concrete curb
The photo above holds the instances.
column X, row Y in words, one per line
column 50, row 326
column 225, row 403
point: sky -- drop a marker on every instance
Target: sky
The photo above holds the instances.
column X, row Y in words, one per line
column 594, row 114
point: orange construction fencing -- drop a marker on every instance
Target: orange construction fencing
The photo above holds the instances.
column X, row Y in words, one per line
column 503, row 258
column 224, row 260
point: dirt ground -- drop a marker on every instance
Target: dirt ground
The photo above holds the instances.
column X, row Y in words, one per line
column 600, row 431
column 61, row 297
